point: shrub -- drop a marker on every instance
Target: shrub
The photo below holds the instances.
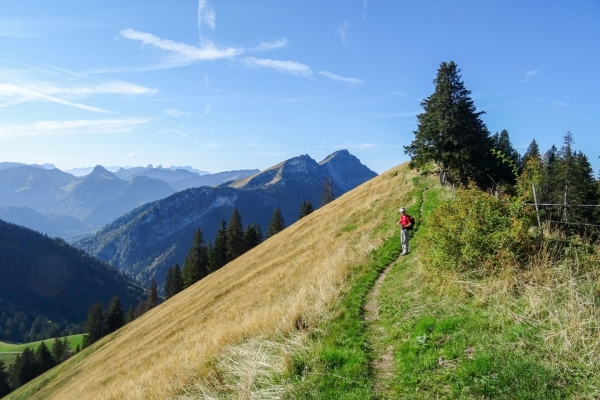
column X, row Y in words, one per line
column 478, row 233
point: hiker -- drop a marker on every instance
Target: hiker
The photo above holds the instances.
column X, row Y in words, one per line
column 406, row 224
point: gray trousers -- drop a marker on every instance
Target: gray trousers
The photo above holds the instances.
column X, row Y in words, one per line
column 404, row 240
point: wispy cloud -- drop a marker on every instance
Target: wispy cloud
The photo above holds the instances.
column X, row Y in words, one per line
column 343, row 32
column 352, row 81
column 365, row 5
column 206, row 112
column 173, row 112
column 26, row 94
column 277, row 44
column 175, row 131
column 181, row 53
column 399, row 115
column 206, row 15
column 529, row 75
column 559, row 104
column 290, row 67
column 79, row 126
column 402, row 94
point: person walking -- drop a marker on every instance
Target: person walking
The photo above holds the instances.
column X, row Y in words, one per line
column 406, row 224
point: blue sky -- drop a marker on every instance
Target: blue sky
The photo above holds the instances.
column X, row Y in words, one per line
column 223, row 85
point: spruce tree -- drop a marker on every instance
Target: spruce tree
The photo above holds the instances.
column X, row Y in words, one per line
column 533, row 151
column 195, row 266
column 59, row 350
column 327, row 196
column 24, row 368
column 252, row 236
column 130, row 314
column 4, row 380
column 305, row 209
column 115, row 317
column 95, row 325
column 450, row 131
column 153, row 295
column 235, row 236
column 219, row 250
column 173, row 282
column 276, row 225
column 508, row 160
column 43, row 358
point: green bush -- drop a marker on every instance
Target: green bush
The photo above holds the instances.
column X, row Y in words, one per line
column 478, row 233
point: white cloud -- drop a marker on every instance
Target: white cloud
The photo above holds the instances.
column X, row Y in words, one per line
column 79, row 126
column 272, row 45
column 130, row 154
column 532, row 73
column 352, row 81
column 402, row 94
column 342, row 31
column 206, row 15
column 206, row 112
column 559, row 104
column 182, row 54
column 365, row 5
column 173, row 112
column 25, row 94
column 290, row 67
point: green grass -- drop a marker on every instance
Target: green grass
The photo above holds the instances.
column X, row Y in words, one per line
column 337, row 366
column 73, row 340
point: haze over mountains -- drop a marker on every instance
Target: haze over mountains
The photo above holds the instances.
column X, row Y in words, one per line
column 60, row 204
column 149, row 239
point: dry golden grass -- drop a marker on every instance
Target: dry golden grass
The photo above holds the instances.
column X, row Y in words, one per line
column 292, row 279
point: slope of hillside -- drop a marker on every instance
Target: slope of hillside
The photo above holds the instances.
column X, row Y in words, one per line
column 281, row 289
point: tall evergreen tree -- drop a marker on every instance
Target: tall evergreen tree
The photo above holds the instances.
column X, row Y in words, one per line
column 43, row 358
column 327, row 196
column 252, row 236
column 115, row 317
column 195, row 266
column 276, row 225
column 305, row 209
column 173, row 282
column 507, row 160
column 59, row 350
column 219, row 250
column 235, row 236
column 130, row 314
column 95, row 325
column 4, row 380
column 450, row 131
column 24, row 368
column 533, row 151
column 153, row 295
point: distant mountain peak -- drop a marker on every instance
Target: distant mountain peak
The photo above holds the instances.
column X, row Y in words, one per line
column 100, row 171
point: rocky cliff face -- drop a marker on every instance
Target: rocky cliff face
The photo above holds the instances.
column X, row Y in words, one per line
column 148, row 240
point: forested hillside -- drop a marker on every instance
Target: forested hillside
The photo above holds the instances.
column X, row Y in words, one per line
column 47, row 286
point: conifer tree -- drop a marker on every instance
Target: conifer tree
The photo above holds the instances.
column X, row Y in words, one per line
column 235, row 236
column 59, row 350
column 276, row 225
column 507, row 160
column 24, row 368
column 153, row 295
column 305, row 209
column 327, row 196
column 4, row 380
column 173, row 282
column 95, row 325
column 450, row 131
column 252, row 236
column 533, row 151
column 219, row 251
column 115, row 317
column 43, row 358
column 195, row 266
column 130, row 314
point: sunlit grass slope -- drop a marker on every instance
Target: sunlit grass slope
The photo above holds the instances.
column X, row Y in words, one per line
column 9, row 351
column 278, row 290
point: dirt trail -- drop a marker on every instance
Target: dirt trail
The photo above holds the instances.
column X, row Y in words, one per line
column 383, row 360
column 383, row 364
